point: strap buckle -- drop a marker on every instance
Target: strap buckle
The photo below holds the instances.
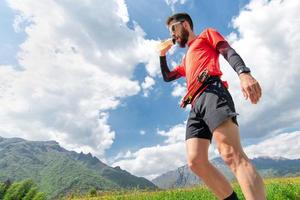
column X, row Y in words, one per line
column 203, row 76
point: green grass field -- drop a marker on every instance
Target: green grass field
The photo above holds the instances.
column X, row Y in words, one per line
column 277, row 189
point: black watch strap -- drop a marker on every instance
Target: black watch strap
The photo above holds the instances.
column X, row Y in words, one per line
column 243, row 69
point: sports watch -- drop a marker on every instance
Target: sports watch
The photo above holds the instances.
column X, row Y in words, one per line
column 243, row 69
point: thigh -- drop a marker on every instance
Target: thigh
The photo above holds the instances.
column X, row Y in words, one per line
column 227, row 137
column 197, row 148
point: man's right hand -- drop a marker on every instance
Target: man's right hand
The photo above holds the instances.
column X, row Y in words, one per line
column 164, row 51
column 164, row 47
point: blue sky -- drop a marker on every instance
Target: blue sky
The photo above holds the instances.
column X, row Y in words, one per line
column 9, row 39
column 87, row 75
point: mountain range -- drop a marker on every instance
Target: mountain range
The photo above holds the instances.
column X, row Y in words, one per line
column 268, row 167
column 58, row 171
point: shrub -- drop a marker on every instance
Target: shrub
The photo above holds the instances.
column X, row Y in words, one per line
column 39, row 196
column 93, row 192
column 31, row 194
column 23, row 190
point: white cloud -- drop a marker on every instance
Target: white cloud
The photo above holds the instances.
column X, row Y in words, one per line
column 147, row 53
column 142, row 132
column 150, row 162
column 159, row 158
column 179, row 90
column 162, row 158
column 147, row 85
column 175, row 134
column 122, row 10
column 285, row 145
column 173, row 3
column 128, row 154
column 75, row 68
column 269, row 47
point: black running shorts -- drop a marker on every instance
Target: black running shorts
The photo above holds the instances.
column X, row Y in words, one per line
column 210, row 109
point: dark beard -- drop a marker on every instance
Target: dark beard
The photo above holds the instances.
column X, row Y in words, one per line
column 184, row 36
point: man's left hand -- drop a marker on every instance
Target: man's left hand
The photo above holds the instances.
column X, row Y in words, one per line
column 250, row 87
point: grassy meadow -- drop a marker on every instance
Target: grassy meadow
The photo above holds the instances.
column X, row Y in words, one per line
column 277, row 189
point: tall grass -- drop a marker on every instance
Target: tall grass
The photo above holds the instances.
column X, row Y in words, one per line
column 276, row 189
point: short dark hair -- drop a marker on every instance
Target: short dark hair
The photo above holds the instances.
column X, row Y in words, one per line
column 180, row 17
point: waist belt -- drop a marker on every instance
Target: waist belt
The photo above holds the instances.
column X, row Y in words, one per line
column 202, row 81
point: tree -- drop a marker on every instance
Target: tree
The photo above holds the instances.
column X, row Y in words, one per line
column 31, row 194
column 23, row 190
column 2, row 190
column 11, row 192
column 39, row 196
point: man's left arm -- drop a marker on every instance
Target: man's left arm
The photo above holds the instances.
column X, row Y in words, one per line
column 249, row 85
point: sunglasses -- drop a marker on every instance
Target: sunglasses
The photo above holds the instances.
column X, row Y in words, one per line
column 172, row 26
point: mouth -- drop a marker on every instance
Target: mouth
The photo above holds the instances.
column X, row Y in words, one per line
column 175, row 39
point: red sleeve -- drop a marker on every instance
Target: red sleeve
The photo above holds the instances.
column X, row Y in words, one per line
column 180, row 69
column 213, row 37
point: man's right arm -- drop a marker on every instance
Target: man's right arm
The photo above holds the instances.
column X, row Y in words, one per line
column 166, row 73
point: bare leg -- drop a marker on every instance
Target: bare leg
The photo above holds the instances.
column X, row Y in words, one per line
column 228, row 143
column 197, row 153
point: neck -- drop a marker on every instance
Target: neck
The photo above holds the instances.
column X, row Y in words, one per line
column 192, row 36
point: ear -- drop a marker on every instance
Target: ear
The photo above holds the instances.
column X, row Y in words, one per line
column 186, row 25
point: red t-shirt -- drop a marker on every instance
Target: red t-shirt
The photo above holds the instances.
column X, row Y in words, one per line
column 201, row 54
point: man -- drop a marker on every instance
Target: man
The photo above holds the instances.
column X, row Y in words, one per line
column 212, row 112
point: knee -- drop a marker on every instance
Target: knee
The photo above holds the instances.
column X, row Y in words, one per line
column 198, row 165
column 233, row 158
